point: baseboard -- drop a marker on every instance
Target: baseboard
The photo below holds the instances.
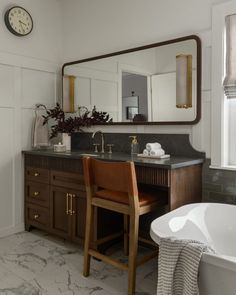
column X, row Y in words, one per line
column 12, row 230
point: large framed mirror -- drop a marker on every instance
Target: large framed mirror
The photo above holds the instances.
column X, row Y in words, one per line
column 155, row 84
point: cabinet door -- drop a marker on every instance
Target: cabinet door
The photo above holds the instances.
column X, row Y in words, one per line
column 79, row 217
column 60, row 217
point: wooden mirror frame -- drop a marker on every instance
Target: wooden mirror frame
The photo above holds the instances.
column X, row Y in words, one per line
column 199, row 77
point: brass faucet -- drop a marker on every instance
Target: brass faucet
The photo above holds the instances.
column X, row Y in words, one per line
column 102, row 139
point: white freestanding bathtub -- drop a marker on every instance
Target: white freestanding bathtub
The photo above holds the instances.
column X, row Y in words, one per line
column 213, row 224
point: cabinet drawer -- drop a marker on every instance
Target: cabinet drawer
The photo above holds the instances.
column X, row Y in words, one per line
column 37, row 193
column 70, row 180
column 37, row 174
column 37, row 216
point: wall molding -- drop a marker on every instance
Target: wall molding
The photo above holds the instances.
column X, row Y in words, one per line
column 11, row 59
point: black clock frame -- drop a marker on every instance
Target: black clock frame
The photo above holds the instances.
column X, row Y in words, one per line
column 8, row 25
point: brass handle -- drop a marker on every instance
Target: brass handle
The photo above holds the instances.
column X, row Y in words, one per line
column 36, row 174
column 36, row 216
column 36, row 194
column 67, row 204
column 71, row 204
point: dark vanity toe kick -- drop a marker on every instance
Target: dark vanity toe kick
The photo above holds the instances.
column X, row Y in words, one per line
column 173, row 162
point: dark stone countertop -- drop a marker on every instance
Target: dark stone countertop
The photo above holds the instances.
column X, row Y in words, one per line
column 171, row 163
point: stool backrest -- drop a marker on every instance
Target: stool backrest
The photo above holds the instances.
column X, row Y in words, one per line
column 115, row 176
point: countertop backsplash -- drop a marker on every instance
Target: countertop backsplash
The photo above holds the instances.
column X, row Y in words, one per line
column 173, row 144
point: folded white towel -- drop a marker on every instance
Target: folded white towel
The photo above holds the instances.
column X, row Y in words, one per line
column 157, row 152
column 146, row 152
column 153, row 146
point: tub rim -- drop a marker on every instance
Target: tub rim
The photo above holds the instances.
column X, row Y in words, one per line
column 219, row 260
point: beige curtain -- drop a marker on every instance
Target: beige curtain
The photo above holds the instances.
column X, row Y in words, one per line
column 230, row 50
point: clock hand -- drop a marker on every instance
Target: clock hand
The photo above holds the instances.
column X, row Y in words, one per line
column 22, row 23
column 22, row 27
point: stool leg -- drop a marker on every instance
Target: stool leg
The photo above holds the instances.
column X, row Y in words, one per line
column 126, row 234
column 133, row 248
column 88, row 236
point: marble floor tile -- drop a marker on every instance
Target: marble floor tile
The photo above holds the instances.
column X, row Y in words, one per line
column 11, row 284
column 38, row 263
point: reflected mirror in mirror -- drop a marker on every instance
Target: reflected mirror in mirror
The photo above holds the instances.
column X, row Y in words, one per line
column 158, row 83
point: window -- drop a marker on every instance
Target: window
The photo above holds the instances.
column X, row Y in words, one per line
column 223, row 149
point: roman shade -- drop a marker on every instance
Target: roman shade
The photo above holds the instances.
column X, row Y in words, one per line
column 229, row 83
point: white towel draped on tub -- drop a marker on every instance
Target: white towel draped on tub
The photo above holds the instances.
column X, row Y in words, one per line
column 178, row 266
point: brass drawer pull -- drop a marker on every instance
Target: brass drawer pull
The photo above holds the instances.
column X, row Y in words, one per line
column 36, row 174
column 67, row 204
column 36, row 194
column 71, row 204
column 36, row 216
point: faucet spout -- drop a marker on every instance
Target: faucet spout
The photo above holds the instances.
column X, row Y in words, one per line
column 102, row 140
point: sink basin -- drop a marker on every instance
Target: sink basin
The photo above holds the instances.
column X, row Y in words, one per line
column 89, row 155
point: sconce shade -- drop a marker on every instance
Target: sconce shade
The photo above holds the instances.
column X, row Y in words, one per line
column 69, row 94
column 184, row 81
column 230, row 54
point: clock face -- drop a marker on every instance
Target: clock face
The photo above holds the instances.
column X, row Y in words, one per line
column 18, row 21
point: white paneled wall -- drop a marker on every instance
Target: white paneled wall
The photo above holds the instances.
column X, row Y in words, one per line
column 7, row 166
column 32, row 81
column 23, row 83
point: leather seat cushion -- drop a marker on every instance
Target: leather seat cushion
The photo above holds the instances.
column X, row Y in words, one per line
column 145, row 198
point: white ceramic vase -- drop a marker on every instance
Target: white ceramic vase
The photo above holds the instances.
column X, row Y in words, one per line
column 66, row 140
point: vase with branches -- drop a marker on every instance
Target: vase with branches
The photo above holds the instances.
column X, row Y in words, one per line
column 64, row 123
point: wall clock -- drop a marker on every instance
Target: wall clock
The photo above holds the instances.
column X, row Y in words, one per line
column 18, row 21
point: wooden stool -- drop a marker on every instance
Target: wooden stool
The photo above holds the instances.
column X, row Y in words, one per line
column 113, row 186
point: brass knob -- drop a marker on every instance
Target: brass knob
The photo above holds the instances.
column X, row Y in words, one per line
column 36, row 174
column 36, row 216
column 36, row 194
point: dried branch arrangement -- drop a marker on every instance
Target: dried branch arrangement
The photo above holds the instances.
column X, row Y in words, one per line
column 65, row 124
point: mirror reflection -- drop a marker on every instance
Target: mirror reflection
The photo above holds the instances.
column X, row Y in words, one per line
column 158, row 84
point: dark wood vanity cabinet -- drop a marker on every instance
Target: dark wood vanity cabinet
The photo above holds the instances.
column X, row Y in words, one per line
column 55, row 195
column 55, row 200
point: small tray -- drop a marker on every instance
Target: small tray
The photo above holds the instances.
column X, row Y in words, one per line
column 153, row 157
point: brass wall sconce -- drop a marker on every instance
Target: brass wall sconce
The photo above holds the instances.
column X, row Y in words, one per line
column 184, row 81
column 69, row 93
